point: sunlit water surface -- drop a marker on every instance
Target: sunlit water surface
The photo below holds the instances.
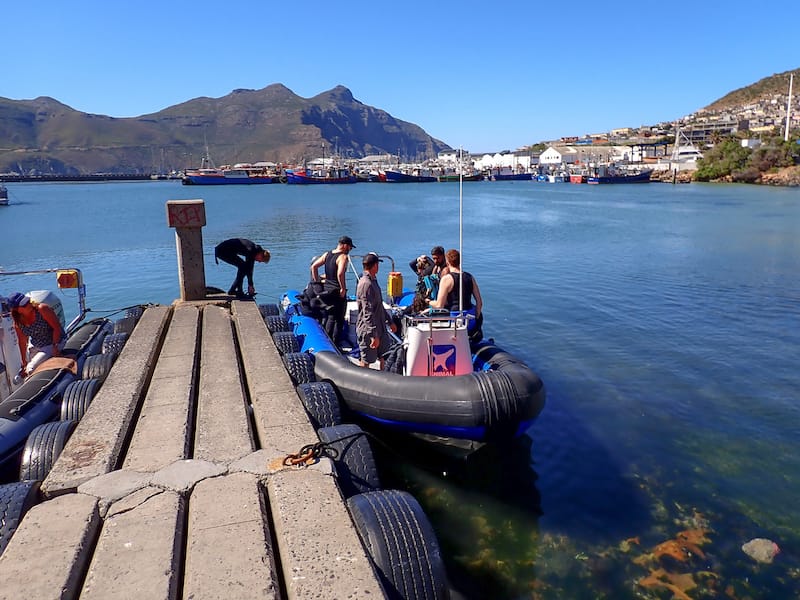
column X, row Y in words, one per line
column 664, row 321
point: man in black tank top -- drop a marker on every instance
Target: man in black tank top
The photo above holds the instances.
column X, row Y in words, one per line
column 450, row 296
column 335, row 262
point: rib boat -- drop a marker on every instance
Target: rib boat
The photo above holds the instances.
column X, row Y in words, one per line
column 27, row 402
column 442, row 378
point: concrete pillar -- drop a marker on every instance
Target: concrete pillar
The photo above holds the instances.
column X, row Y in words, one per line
column 188, row 217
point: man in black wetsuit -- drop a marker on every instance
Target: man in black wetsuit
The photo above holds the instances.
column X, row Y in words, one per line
column 242, row 254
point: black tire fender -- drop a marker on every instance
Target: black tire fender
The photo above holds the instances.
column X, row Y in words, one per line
column 277, row 323
column 97, row 366
column 42, row 448
column 77, row 397
column 269, row 310
column 321, row 403
column 135, row 311
column 113, row 343
column 355, row 466
column 400, row 539
column 285, row 342
column 300, row 367
column 15, row 500
column 125, row 325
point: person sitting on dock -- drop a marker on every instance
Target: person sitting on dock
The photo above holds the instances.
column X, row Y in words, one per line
column 39, row 331
column 451, row 298
column 242, row 254
column 371, row 327
column 335, row 290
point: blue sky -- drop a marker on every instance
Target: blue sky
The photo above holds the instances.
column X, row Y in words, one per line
column 482, row 76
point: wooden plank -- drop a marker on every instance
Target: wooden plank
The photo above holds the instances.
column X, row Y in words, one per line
column 140, row 550
column 223, row 429
column 229, row 552
column 162, row 432
column 51, row 550
column 97, row 442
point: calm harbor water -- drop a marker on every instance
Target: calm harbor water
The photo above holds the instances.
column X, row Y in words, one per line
column 664, row 320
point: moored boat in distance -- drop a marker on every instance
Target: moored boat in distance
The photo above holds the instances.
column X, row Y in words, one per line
column 3, row 194
column 449, row 177
column 240, row 174
column 577, row 177
column 609, row 175
column 416, row 175
column 509, row 175
column 331, row 175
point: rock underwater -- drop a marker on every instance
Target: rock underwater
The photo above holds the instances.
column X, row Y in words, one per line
column 761, row 550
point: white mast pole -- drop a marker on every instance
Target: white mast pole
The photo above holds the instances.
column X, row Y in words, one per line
column 788, row 109
column 461, row 228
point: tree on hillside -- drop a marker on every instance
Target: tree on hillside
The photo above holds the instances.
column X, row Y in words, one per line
column 722, row 160
column 729, row 159
column 774, row 154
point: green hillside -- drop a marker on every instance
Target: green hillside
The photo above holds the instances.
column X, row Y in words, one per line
column 761, row 90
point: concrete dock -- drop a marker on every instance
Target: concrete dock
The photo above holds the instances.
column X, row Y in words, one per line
column 173, row 484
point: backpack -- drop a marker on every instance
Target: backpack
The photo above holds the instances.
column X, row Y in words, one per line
column 431, row 285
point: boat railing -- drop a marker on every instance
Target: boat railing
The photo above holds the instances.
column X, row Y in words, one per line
column 360, row 258
column 439, row 318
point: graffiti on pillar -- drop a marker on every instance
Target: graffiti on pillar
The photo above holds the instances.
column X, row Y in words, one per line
column 186, row 214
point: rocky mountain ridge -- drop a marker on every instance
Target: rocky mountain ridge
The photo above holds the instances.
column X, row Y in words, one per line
column 44, row 136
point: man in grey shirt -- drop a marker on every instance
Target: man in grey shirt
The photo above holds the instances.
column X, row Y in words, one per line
column 373, row 339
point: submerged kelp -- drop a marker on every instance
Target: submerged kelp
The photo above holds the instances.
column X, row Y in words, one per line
column 489, row 522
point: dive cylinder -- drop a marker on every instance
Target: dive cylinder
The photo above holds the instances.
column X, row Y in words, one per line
column 394, row 287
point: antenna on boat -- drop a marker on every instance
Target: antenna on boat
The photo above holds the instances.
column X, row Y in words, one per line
column 788, row 109
column 461, row 228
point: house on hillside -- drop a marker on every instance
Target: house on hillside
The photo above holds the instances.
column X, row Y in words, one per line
column 556, row 156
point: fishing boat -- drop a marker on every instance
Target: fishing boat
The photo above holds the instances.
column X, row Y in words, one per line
column 603, row 175
column 451, row 177
column 413, row 176
column 577, row 177
column 27, row 402
column 443, row 379
column 558, row 178
column 329, row 175
column 240, row 174
column 3, row 194
column 507, row 174
column 512, row 177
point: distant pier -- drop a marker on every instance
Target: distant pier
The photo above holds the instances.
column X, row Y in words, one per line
column 74, row 178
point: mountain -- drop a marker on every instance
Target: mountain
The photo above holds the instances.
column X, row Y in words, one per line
column 44, row 136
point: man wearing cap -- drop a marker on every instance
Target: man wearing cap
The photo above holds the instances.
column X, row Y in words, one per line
column 373, row 339
column 242, row 254
column 39, row 332
column 335, row 293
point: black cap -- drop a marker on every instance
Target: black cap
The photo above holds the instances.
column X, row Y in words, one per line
column 346, row 239
column 17, row 299
column 370, row 258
